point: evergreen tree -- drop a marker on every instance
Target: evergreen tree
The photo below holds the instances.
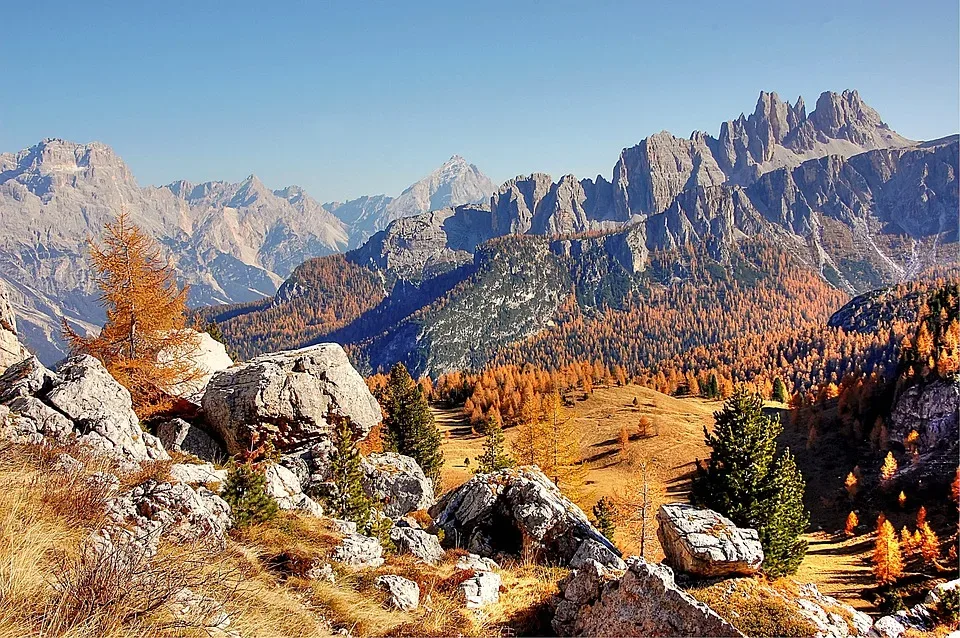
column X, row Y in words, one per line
column 348, row 501
column 410, row 427
column 245, row 490
column 783, row 549
column 494, row 455
column 605, row 515
column 745, row 482
column 779, row 390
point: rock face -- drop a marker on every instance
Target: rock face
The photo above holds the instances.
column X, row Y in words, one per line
column 481, row 589
column 80, row 401
column 11, row 350
column 642, row 601
column 403, row 593
column 704, row 543
column 933, row 410
column 284, row 487
column 397, row 482
column 493, row 513
column 286, row 395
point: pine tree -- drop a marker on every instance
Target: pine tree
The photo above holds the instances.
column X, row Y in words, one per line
column 348, row 501
column 779, row 390
column 494, row 455
column 887, row 560
column 245, row 490
column 143, row 343
column 783, row 549
column 743, row 481
column 605, row 515
column 410, row 428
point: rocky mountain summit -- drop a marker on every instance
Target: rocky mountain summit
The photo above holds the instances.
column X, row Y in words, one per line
column 456, row 182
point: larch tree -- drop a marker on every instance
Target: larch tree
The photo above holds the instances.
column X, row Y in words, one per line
column 929, row 544
column 561, row 459
column 410, row 428
column 887, row 559
column 850, row 528
column 888, row 470
column 143, row 343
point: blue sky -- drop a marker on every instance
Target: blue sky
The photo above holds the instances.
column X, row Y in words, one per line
column 354, row 98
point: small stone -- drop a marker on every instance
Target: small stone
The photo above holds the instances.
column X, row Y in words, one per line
column 476, row 563
column 359, row 550
column 403, row 593
column 421, row 544
column 482, row 589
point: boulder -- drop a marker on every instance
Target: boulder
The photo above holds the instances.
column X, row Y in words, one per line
column 641, row 601
column 344, row 527
column 178, row 435
column 81, row 400
column 933, row 596
column 283, row 486
column 421, row 544
column 197, row 474
column 207, row 355
column 481, row 589
column 704, row 543
column 887, row 627
column 287, row 395
column 402, row 593
column 397, row 482
column 476, row 563
column 359, row 550
column 498, row 512
column 591, row 550
column 154, row 509
column 11, row 350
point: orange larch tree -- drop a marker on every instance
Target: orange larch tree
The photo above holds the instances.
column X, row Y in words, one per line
column 143, row 343
column 887, row 560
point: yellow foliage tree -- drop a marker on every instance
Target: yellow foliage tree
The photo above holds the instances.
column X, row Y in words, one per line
column 902, row 499
column 887, row 560
column 851, row 485
column 929, row 544
column 851, row 527
column 561, row 458
column 888, row 470
column 906, row 541
column 143, row 343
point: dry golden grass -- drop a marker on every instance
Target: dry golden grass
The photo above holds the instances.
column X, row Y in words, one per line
column 670, row 454
column 756, row 607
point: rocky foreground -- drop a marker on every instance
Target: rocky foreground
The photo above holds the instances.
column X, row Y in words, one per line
column 474, row 538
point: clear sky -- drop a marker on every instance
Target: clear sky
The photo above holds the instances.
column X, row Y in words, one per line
column 354, row 98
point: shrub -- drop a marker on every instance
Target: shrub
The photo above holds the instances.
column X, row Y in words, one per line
column 246, row 492
column 948, row 608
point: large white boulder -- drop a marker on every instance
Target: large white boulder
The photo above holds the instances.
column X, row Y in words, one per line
column 397, row 483
column 286, row 396
column 206, row 354
column 11, row 350
column 702, row 542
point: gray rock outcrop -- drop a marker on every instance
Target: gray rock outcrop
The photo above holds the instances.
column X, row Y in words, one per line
column 420, row 543
column 285, row 396
column 402, row 593
column 178, row 435
column 284, row 487
column 641, row 601
column 481, row 589
column 477, row 563
column 396, row 483
column 11, row 349
column 359, row 550
column 81, row 401
column 494, row 513
column 198, row 474
column 932, row 408
column 705, row 543
column 207, row 355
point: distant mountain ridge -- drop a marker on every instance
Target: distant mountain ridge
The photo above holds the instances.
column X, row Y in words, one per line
column 856, row 217
column 231, row 242
column 456, row 182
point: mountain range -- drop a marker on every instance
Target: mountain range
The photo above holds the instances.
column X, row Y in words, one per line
column 835, row 193
column 836, row 189
column 232, row 243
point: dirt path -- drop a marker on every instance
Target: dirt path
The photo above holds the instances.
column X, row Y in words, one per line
column 839, row 567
